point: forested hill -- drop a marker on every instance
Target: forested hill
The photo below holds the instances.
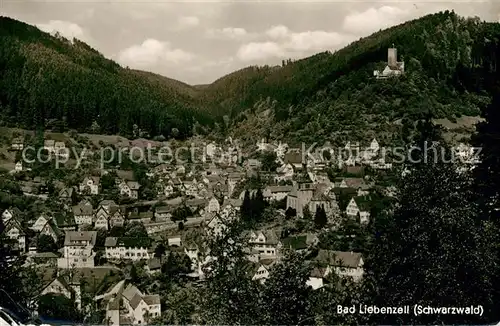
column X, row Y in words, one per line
column 49, row 78
column 334, row 95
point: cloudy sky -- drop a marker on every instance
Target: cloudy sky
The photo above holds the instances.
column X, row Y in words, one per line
column 200, row 41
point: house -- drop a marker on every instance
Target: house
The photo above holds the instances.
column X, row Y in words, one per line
column 163, row 213
column 90, row 185
column 18, row 167
column 276, row 193
column 17, row 144
column 61, row 150
column 265, row 242
column 49, row 145
column 116, row 217
column 345, row 264
column 83, row 214
column 317, row 277
column 10, row 213
column 213, row 205
column 294, row 158
column 66, row 193
column 78, row 250
column 129, row 189
column 174, row 241
column 66, row 287
column 127, row 248
column 153, row 266
column 297, row 243
column 359, row 207
column 131, row 305
column 262, row 269
column 40, row 222
column 14, row 231
column 252, row 164
column 50, row 229
column 393, row 68
column 355, row 183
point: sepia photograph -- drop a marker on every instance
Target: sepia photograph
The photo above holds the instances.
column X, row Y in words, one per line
column 249, row 162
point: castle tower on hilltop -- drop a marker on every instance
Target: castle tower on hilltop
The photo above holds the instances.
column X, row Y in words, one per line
column 393, row 68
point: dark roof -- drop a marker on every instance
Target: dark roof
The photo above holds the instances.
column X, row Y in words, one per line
column 339, row 258
column 363, row 203
column 79, row 236
column 296, row 243
column 128, row 242
column 293, row 157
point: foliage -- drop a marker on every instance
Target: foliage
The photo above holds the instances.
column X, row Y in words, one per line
column 320, row 218
column 435, row 239
column 46, row 243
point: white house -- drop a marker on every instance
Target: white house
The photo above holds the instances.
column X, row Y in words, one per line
column 127, row 248
column 130, row 305
column 83, row 214
column 276, row 193
column 265, row 242
column 14, row 231
column 40, row 223
column 62, row 286
column 90, row 184
column 78, row 250
column 345, row 264
column 359, row 206
column 213, row 205
column 129, row 189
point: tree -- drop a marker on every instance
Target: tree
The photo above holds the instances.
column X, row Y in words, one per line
column 160, row 250
column 246, row 206
column 228, row 295
column 11, row 276
column 268, row 160
column 320, row 218
column 290, row 212
column 434, row 238
column 58, row 307
column 487, row 175
column 286, row 294
column 136, row 230
column 45, row 243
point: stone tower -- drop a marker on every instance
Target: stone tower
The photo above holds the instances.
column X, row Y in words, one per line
column 392, row 57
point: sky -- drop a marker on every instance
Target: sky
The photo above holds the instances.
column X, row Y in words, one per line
column 200, row 41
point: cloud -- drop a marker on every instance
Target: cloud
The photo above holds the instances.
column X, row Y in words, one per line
column 286, row 43
column 188, row 21
column 277, row 32
column 374, row 19
column 259, row 51
column 227, row 33
column 152, row 52
column 316, row 41
column 67, row 29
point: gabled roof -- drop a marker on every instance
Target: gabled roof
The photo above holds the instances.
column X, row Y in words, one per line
column 79, row 236
column 355, row 183
column 275, row 189
column 293, row 157
column 127, row 242
column 363, row 203
column 82, row 210
column 339, row 258
column 295, row 243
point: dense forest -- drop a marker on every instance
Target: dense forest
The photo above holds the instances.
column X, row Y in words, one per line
column 49, row 79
